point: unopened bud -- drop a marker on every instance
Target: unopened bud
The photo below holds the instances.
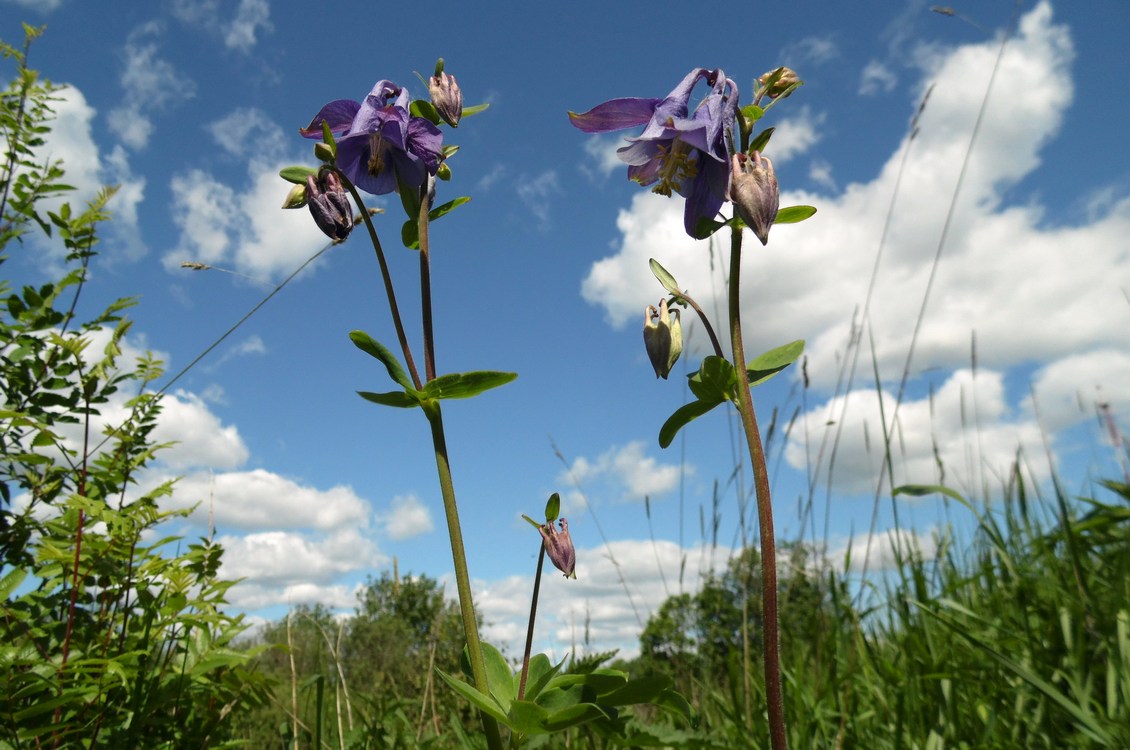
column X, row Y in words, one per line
column 754, row 192
column 296, row 198
column 785, row 77
column 329, row 205
column 559, row 547
column 446, row 96
column 662, row 337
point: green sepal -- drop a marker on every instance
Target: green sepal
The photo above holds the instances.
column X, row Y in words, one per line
column 297, row 174
column 373, row 348
column 794, row 214
column 770, row 363
column 552, row 508
column 410, row 230
column 465, row 384
column 400, row 399
column 682, row 416
column 706, row 227
column 665, row 278
column 762, row 139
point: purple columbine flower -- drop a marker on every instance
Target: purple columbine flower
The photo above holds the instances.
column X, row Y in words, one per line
column 559, row 547
column 381, row 148
column 678, row 151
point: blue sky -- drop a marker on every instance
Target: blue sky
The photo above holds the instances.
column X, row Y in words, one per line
column 192, row 106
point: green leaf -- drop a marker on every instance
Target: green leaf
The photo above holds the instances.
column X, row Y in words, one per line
column 483, row 702
column 762, row 139
column 410, row 230
column 574, row 715
column 399, row 399
column 706, row 227
column 297, row 174
column 499, row 679
column 752, row 112
column 682, row 416
column 526, row 717
column 466, row 384
column 766, row 365
column 424, row 108
column 540, row 673
column 553, row 508
column 921, row 490
column 714, row 381
column 11, row 582
column 794, row 214
column 637, row 691
column 373, row 348
column 664, row 277
column 475, row 109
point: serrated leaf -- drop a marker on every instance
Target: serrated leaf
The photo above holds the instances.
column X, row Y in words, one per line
column 399, row 399
column 373, row 348
column 682, row 416
column 11, row 582
column 794, row 214
column 765, row 366
column 297, row 174
column 466, row 384
column 664, row 277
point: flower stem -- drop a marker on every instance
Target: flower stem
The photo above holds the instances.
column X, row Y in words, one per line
column 462, row 579
column 426, row 285
column 386, row 276
column 773, row 695
column 530, row 629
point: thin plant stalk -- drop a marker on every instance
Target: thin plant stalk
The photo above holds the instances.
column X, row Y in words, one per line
column 530, row 628
column 773, row 695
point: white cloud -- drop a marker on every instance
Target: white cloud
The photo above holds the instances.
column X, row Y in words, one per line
column 259, row 499
column 634, row 475
column 249, row 130
column 536, row 193
column 811, row 49
column 795, row 135
column 617, row 589
column 223, row 226
column 281, row 559
column 151, row 84
column 877, row 78
column 407, row 518
column 1070, row 389
column 1007, row 274
column 602, row 159
column 966, row 425
column 883, row 550
column 238, row 33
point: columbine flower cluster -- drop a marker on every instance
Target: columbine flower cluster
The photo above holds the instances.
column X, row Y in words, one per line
column 687, row 152
column 381, row 147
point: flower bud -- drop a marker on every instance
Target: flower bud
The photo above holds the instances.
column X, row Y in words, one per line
column 662, row 337
column 329, row 205
column 446, row 96
column 559, row 547
column 786, row 77
column 754, row 192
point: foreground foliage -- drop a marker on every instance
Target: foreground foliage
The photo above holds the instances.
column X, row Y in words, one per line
column 108, row 638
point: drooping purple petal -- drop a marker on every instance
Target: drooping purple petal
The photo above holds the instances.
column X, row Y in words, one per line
column 425, row 141
column 615, row 114
column 338, row 113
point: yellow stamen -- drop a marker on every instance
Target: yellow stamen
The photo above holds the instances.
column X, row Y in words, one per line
column 678, row 165
column 377, row 150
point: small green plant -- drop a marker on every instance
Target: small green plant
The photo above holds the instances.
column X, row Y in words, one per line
column 107, row 638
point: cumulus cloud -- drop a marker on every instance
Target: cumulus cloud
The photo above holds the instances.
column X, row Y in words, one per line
column 407, row 518
column 876, row 78
column 151, row 84
column 242, row 227
column 883, row 550
column 811, row 49
column 1009, row 274
column 71, row 141
column 632, row 474
column 239, row 32
column 536, row 193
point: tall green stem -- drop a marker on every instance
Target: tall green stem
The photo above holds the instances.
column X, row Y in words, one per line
column 764, row 506
column 462, row 579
